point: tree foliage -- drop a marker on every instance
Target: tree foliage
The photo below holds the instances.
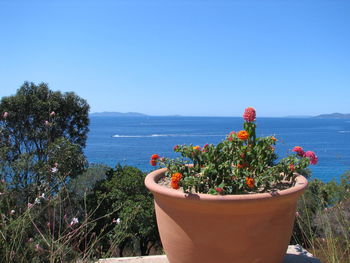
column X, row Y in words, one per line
column 42, row 133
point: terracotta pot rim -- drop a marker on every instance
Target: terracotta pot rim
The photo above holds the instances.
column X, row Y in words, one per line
column 153, row 177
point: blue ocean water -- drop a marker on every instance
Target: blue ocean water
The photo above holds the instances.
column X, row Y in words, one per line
column 132, row 140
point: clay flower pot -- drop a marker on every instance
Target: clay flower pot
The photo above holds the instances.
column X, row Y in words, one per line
column 200, row 228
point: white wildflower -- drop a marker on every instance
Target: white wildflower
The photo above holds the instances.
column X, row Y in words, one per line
column 74, row 221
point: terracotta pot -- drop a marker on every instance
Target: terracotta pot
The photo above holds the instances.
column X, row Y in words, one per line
column 251, row 228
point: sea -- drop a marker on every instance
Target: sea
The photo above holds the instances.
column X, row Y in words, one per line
column 132, row 140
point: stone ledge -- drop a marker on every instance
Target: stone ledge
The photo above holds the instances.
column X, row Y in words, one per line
column 295, row 254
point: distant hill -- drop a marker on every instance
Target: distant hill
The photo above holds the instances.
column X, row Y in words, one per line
column 333, row 116
column 117, row 114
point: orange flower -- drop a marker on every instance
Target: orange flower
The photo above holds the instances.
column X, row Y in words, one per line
column 243, row 135
column 250, row 182
column 175, row 185
column 274, row 139
column 196, row 148
column 176, row 177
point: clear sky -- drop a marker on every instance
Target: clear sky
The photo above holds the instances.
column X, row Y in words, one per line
column 203, row 58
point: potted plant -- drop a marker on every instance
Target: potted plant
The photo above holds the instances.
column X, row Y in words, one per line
column 230, row 202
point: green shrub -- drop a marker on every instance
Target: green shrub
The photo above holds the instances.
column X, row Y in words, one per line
column 123, row 195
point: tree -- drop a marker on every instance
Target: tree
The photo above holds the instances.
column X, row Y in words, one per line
column 42, row 134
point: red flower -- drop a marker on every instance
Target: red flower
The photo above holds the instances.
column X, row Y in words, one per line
column 292, row 167
column 176, row 147
column 249, row 114
column 240, row 166
column 250, row 182
column 155, row 157
column 219, row 190
column 312, row 156
column 299, row 151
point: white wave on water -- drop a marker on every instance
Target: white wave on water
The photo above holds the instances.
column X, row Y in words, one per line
column 167, row 135
column 344, row 131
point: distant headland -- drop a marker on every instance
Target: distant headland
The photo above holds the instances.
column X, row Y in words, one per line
column 333, row 116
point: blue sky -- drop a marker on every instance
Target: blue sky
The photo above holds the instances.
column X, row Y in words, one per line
column 204, row 58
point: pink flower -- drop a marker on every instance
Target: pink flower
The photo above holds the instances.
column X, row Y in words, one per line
column 5, row 114
column 205, row 148
column 230, row 136
column 299, row 151
column 47, row 123
column 30, row 240
column 29, row 205
column 52, row 114
column 176, row 147
column 312, row 156
column 249, row 114
column 56, row 164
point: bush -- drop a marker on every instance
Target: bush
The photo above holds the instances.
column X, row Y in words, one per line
column 323, row 220
column 124, row 197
